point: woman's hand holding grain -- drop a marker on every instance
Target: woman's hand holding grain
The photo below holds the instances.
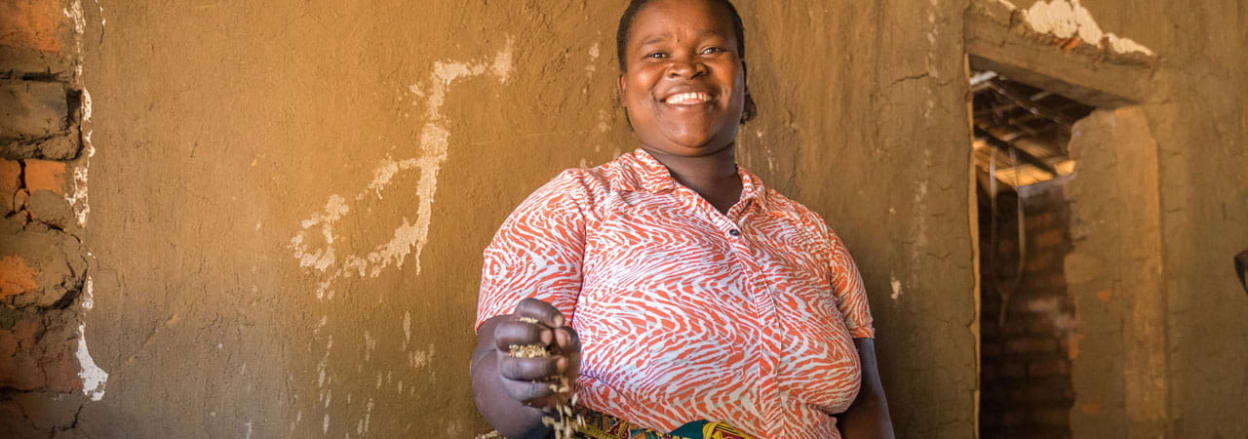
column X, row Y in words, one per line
column 542, row 355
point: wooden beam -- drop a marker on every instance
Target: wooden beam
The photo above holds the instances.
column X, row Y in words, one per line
column 1022, row 155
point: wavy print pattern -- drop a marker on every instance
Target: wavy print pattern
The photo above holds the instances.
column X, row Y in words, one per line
column 685, row 313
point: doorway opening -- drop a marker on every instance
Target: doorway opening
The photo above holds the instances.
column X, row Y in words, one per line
column 1027, row 317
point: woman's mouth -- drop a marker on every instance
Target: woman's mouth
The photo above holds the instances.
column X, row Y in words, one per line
column 688, row 98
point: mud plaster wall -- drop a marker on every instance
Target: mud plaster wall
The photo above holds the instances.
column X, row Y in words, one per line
column 239, row 143
column 290, row 199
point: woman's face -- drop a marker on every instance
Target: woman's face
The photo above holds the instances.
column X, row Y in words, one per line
column 683, row 84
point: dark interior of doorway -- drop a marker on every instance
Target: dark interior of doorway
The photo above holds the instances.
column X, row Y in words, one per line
column 1027, row 318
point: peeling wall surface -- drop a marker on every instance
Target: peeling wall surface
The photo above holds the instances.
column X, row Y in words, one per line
column 289, row 199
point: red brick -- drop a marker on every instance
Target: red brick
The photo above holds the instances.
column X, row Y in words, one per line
column 1042, row 325
column 1056, row 366
column 1049, row 239
column 45, row 175
column 16, row 277
column 1040, row 394
column 1051, row 417
column 19, row 367
column 1031, row 345
column 1042, row 261
column 1040, row 221
column 31, row 24
column 1013, row 369
column 10, row 180
column 38, row 358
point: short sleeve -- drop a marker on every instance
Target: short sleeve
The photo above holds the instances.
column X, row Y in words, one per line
column 537, row 252
column 851, row 296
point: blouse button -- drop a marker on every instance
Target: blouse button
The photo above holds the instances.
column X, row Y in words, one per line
column 734, row 232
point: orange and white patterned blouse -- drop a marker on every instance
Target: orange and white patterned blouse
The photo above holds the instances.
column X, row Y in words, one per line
column 684, row 313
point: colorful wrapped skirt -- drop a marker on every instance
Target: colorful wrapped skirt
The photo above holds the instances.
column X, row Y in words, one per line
column 599, row 426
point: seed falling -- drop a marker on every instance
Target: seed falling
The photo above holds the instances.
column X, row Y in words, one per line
column 562, row 423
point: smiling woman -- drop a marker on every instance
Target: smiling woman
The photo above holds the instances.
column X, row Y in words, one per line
column 677, row 294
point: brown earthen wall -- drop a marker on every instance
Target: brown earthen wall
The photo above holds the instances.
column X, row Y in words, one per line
column 288, row 199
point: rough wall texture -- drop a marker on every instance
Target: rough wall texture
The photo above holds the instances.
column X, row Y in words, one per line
column 289, row 198
column 1115, row 274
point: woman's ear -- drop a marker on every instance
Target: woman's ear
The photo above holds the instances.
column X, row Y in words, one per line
column 621, row 86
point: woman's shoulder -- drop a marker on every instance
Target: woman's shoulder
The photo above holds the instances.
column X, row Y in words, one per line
column 579, row 186
column 778, row 202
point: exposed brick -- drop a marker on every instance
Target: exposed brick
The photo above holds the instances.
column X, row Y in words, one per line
column 53, row 209
column 1051, row 417
column 1042, row 261
column 56, row 258
column 1040, row 221
column 10, row 180
column 32, row 24
column 1031, row 345
column 1013, row 369
column 47, row 411
column 1056, row 366
column 35, row 357
column 32, row 110
column 1050, row 239
column 14, row 423
column 1040, row 396
column 45, row 175
column 16, row 277
column 1047, row 324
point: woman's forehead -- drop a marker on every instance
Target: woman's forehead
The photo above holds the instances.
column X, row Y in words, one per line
column 667, row 19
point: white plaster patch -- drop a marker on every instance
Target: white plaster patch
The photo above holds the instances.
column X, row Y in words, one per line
column 387, row 254
column 93, row 378
column 896, row 285
column 1069, row 18
column 77, row 197
column 593, row 59
column 410, row 236
column 88, row 290
column 407, row 328
column 418, row 359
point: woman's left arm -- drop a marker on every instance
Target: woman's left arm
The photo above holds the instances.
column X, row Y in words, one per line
column 868, row 416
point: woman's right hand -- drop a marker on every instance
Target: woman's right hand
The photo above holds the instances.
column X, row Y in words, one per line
column 538, row 381
column 514, row 393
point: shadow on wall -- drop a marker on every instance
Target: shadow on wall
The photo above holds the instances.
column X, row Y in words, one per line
column 1241, row 265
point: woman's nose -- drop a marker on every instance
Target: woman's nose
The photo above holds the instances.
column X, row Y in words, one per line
column 686, row 67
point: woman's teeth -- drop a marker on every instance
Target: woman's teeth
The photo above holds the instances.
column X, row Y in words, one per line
column 688, row 98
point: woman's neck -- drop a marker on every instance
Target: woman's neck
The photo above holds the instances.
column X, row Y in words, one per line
column 713, row 176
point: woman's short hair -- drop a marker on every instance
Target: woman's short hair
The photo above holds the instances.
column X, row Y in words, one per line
column 738, row 28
